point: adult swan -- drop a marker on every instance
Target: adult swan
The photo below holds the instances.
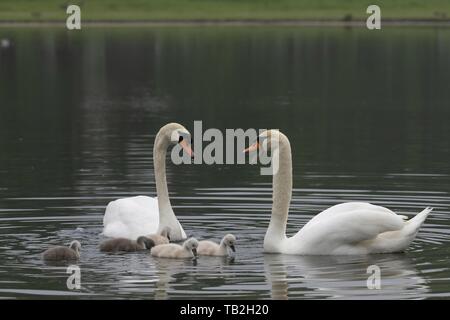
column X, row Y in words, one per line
column 139, row 216
column 347, row 228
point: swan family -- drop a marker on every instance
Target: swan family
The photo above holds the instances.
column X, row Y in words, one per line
column 147, row 223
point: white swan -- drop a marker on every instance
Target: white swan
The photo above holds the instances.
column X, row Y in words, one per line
column 132, row 217
column 347, row 228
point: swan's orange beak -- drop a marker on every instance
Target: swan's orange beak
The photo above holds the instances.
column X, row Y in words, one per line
column 252, row 148
column 187, row 147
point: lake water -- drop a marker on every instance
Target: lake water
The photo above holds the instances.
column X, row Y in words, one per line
column 367, row 114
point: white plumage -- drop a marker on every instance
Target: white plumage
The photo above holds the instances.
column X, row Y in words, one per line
column 347, row 228
column 131, row 217
column 137, row 216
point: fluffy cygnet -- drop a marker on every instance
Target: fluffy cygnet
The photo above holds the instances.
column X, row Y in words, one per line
column 162, row 237
column 122, row 244
column 72, row 252
column 209, row 248
column 173, row 250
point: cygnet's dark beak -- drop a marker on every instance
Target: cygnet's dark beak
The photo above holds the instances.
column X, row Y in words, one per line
column 232, row 248
column 194, row 251
column 149, row 244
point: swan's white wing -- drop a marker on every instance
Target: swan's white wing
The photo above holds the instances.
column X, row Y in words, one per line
column 131, row 217
column 346, row 224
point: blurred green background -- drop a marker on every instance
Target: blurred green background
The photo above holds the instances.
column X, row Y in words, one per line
column 161, row 10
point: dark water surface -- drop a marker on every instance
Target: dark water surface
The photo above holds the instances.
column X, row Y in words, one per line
column 367, row 114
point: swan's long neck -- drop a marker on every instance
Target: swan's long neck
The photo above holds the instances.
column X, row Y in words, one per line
column 282, row 191
column 166, row 215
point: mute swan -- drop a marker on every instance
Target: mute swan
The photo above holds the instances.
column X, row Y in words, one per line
column 132, row 217
column 162, row 237
column 173, row 250
column 347, row 228
column 122, row 244
column 209, row 248
column 63, row 253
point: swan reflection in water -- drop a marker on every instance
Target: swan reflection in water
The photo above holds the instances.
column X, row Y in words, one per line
column 342, row 277
column 175, row 274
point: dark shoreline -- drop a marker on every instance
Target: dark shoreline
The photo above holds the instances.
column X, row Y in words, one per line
column 231, row 22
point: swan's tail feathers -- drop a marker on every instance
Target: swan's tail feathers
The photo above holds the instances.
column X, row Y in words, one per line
column 413, row 225
column 399, row 241
column 420, row 217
